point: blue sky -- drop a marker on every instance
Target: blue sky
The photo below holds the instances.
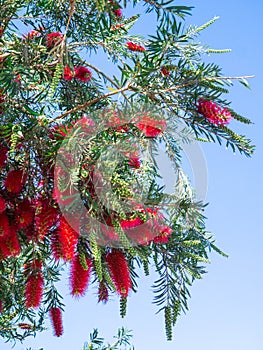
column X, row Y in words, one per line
column 225, row 311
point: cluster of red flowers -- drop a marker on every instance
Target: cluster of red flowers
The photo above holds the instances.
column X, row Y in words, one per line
column 213, row 113
column 80, row 73
column 134, row 47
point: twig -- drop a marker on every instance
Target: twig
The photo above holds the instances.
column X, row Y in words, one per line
column 89, row 103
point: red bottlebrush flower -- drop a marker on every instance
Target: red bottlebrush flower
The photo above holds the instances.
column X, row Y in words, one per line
column 2, row 205
column 1, row 306
column 3, row 152
column 118, row 13
column 4, row 225
column 80, row 275
column 119, row 271
column 165, row 71
column 24, row 214
column 117, row 26
column 53, row 39
column 32, row 34
column 163, row 237
column 103, row 293
column 17, row 78
column 151, row 127
column 63, row 241
column 213, row 113
column 56, row 319
column 134, row 162
column 15, row 181
column 134, row 47
column 68, row 74
column 47, row 216
column 82, row 73
column 11, row 245
column 126, row 224
column 34, row 284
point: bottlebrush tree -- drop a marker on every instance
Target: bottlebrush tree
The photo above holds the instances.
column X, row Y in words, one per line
column 79, row 183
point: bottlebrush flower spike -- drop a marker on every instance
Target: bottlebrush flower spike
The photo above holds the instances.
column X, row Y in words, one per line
column 119, row 271
column 15, row 181
column 80, row 275
column 151, row 127
column 134, row 162
column 63, row 241
column 165, row 71
column 103, row 293
column 163, row 237
column 134, row 47
column 24, row 214
column 12, row 241
column 2, row 205
column 47, row 216
column 9, row 244
column 213, row 113
column 68, row 74
column 32, row 34
column 82, row 73
column 4, row 224
column 53, row 39
column 3, row 153
column 34, row 284
column 56, row 320
column 118, row 13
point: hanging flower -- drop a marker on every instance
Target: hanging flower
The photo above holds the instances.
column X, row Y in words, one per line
column 103, row 293
column 134, row 47
column 46, row 217
column 63, row 241
column 119, row 271
column 4, row 224
column 68, row 74
column 2, row 204
column 24, row 214
column 34, row 284
column 3, row 155
column 56, row 320
column 9, row 244
column 80, row 275
column 53, row 39
column 213, row 113
column 82, row 73
column 15, row 181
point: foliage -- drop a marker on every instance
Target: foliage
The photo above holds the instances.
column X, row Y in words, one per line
column 122, row 341
column 79, row 181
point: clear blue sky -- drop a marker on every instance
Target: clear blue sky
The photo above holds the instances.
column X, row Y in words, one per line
column 226, row 308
